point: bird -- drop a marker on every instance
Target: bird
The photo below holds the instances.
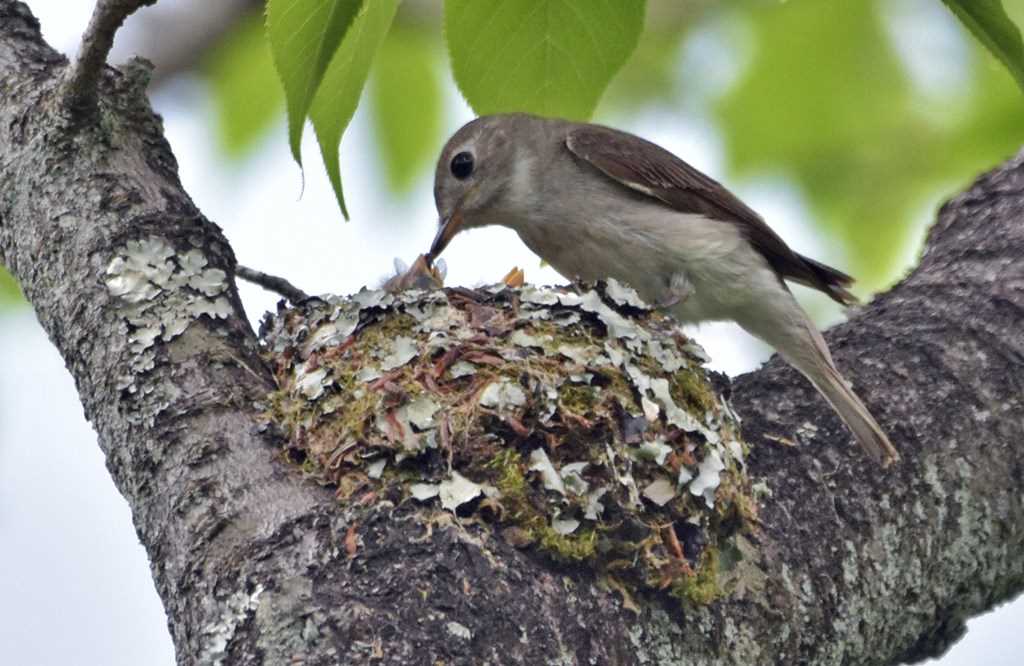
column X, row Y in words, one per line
column 595, row 202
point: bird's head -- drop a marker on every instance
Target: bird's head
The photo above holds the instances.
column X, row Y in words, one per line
column 478, row 177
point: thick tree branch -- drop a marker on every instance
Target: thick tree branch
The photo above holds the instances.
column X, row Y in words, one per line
column 940, row 358
column 176, row 396
column 107, row 17
column 851, row 565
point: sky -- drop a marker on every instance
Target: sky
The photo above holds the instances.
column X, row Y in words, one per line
column 75, row 586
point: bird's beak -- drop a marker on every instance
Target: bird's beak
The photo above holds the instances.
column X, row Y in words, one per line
column 449, row 227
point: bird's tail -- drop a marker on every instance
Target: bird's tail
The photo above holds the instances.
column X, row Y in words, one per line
column 854, row 414
column 803, row 347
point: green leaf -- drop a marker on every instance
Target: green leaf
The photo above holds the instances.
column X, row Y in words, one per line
column 550, row 57
column 406, row 94
column 304, row 35
column 10, row 292
column 988, row 21
column 246, row 91
column 825, row 100
column 336, row 100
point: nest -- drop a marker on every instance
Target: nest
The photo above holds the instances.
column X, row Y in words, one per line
column 574, row 422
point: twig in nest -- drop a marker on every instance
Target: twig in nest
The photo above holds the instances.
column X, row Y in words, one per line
column 272, row 283
column 80, row 90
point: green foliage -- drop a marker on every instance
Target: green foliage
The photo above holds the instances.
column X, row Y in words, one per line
column 405, row 91
column 826, row 101
column 246, row 92
column 551, row 57
column 650, row 76
column 987, row 20
column 304, row 35
column 338, row 95
column 10, row 292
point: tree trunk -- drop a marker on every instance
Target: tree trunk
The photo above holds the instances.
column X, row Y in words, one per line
column 858, row 565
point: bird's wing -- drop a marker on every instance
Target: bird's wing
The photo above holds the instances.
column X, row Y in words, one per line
column 646, row 167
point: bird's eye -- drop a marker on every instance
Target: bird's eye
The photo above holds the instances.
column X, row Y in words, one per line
column 462, row 165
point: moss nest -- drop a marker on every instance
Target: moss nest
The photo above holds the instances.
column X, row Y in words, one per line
column 575, row 422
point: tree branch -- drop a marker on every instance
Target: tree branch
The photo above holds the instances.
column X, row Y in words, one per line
column 849, row 565
column 80, row 89
column 278, row 285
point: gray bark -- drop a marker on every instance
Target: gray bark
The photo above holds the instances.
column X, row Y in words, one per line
column 860, row 566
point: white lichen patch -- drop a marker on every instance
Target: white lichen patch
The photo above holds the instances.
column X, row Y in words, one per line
column 461, row 369
column 459, row 631
column 581, row 354
column 656, row 450
column 375, row 469
column 660, row 491
column 618, row 325
column 420, row 412
column 625, row 295
column 564, row 526
column 594, row 508
column 372, row 298
column 502, row 395
column 424, row 491
column 521, row 338
column 541, row 463
column 572, row 477
column 709, row 475
column 310, row 383
column 159, row 293
column 216, row 636
column 403, row 349
column 458, row 490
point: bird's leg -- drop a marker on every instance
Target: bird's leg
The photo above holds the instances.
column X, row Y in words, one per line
column 578, row 283
column 678, row 290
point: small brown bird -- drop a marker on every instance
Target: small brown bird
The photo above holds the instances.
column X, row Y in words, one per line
column 595, row 202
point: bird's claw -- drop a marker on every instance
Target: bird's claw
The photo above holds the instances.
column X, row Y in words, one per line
column 679, row 289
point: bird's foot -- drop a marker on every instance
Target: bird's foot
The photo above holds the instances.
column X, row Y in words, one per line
column 679, row 289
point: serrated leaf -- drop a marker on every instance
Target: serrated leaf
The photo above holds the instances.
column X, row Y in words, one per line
column 304, row 36
column 550, row 57
column 336, row 100
column 405, row 91
column 988, row 22
column 246, row 93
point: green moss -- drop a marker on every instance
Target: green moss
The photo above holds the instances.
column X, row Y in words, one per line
column 688, row 387
column 515, row 498
column 575, row 333
column 576, row 547
column 511, row 480
column 379, row 334
column 577, row 398
column 618, row 386
column 702, row 587
column 354, row 415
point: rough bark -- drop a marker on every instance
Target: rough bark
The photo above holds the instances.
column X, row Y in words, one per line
column 858, row 566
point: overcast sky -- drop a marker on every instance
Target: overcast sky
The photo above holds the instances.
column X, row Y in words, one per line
column 75, row 587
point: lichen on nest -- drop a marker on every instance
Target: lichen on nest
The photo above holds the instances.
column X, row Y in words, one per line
column 575, row 421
